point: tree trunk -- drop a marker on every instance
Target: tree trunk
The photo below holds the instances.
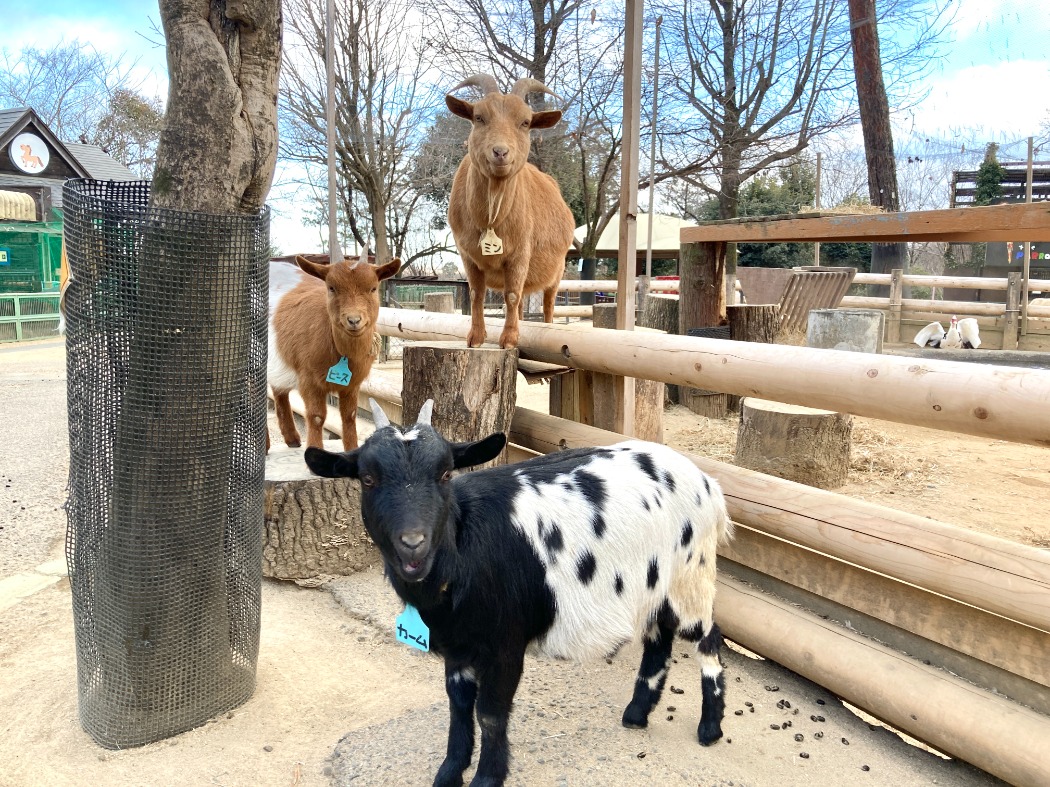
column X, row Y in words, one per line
column 188, row 353
column 701, row 290
column 878, row 135
column 473, row 389
column 219, row 144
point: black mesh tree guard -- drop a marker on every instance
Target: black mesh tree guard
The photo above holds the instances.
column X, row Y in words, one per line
column 166, row 360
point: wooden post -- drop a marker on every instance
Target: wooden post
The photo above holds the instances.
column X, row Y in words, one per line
column 1011, row 319
column 473, row 389
column 442, row 302
column 893, row 322
column 701, row 290
column 648, row 394
column 312, row 525
column 797, row 443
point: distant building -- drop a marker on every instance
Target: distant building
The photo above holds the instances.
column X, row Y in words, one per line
column 34, row 165
column 1004, row 258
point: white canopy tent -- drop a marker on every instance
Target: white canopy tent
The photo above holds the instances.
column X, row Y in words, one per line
column 666, row 241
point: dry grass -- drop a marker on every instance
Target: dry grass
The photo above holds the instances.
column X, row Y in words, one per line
column 874, row 453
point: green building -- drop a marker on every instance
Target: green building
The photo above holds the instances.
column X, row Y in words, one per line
column 34, row 164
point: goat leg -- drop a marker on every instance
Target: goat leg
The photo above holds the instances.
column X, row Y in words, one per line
column 315, row 400
column 348, row 414
column 283, row 408
column 476, row 279
column 462, row 689
column 498, row 682
column 549, row 295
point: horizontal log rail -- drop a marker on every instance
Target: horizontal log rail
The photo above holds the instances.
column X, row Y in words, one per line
column 1018, row 222
column 924, row 280
column 969, row 308
column 999, row 402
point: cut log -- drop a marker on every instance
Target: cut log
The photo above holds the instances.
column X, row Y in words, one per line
column 443, row 302
column 660, row 312
column 797, row 443
column 312, row 525
column 754, row 323
column 474, row 389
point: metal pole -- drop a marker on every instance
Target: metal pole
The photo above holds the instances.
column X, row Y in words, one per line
column 1027, row 246
column 334, row 252
column 816, row 207
column 652, row 155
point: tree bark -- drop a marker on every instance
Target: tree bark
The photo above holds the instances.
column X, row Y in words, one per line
column 661, row 313
column 218, row 149
column 473, row 389
column 754, row 323
column 878, row 135
column 313, row 525
column 701, row 288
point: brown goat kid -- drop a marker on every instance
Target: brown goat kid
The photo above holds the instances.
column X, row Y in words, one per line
column 510, row 222
column 315, row 322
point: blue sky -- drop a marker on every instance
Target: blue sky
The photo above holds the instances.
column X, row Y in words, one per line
column 995, row 77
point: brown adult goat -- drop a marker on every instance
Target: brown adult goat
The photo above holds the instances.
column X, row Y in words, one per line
column 316, row 322
column 510, row 222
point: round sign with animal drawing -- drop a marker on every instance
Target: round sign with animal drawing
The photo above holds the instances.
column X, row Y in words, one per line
column 29, row 153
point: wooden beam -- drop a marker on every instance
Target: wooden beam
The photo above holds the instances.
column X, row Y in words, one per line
column 991, row 639
column 971, row 398
column 993, row 574
column 994, row 734
column 970, row 225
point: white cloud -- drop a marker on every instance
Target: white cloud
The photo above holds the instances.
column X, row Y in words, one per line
column 1007, row 100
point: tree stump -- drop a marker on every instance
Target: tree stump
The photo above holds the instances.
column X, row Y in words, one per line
column 660, row 312
column 474, row 389
column 443, row 302
column 757, row 323
column 312, row 525
column 797, row 443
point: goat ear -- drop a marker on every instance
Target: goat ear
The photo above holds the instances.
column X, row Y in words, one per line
column 389, row 269
column 478, row 452
column 547, row 119
column 331, row 465
column 458, row 106
column 320, row 271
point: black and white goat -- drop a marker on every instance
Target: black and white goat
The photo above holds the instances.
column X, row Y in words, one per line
column 570, row 554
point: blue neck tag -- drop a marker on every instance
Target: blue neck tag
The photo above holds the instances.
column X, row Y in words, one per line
column 411, row 630
column 339, row 374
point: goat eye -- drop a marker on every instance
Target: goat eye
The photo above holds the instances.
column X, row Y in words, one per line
column 375, row 289
column 479, row 119
column 446, row 476
column 368, row 481
column 525, row 123
column 332, row 290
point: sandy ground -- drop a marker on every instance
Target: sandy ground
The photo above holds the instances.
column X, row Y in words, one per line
column 340, row 702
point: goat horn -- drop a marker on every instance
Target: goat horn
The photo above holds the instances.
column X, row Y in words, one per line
column 487, row 84
column 527, row 85
column 378, row 416
column 425, row 412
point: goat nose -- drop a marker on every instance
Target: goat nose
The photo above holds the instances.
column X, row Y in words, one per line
column 354, row 322
column 500, row 153
column 413, row 539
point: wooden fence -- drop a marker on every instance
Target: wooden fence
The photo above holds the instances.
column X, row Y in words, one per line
column 969, row 605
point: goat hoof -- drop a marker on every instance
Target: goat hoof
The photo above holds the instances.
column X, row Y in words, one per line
column 294, row 443
column 708, row 733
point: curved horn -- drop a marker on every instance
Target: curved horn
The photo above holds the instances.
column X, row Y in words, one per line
column 425, row 412
column 527, row 85
column 484, row 82
column 378, row 416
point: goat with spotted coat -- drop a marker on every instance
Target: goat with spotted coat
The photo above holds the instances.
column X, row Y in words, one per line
column 570, row 554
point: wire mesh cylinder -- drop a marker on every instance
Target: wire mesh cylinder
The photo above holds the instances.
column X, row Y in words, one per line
column 166, row 362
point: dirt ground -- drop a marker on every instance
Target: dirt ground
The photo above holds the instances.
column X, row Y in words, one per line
column 339, row 702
